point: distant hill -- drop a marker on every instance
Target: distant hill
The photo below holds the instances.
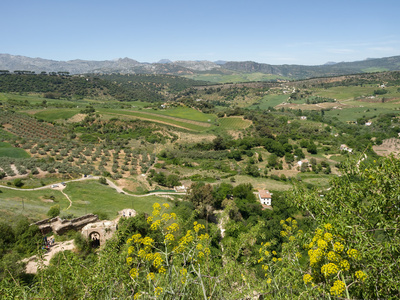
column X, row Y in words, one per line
column 150, row 88
column 185, row 68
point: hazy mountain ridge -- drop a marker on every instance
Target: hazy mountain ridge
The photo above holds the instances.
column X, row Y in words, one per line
column 165, row 66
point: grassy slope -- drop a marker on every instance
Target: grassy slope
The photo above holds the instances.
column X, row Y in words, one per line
column 155, row 116
column 6, row 150
column 86, row 196
column 269, row 101
column 51, row 115
column 12, row 202
column 105, row 199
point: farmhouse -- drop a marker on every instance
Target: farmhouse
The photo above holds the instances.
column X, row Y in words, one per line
column 265, row 197
column 304, row 161
column 343, row 147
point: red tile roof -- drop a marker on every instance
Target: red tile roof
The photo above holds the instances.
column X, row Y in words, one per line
column 264, row 194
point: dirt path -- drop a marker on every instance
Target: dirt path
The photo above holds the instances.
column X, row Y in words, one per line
column 33, row 262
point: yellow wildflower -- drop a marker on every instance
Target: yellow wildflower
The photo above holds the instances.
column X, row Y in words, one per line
column 353, row 253
column 307, row 278
column 332, row 256
column 134, row 273
column 338, row 288
column 344, row 264
column 155, row 225
column 361, row 275
column 328, row 237
column 157, row 291
column 338, row 247
column 169, row 238
column 329, row 269
column 150, row 276
column 322, row 244
column 173, row 227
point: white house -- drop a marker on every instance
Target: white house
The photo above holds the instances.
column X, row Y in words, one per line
column 265, row 197
column 343, row 147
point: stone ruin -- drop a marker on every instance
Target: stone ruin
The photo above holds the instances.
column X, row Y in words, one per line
column 90, row 226
column 61, row 226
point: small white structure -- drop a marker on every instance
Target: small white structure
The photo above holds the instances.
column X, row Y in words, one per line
column 265, row 197
column 303, row 118
column 180, row 189
column 368, row 123
column 304, row 161
column 343, row 147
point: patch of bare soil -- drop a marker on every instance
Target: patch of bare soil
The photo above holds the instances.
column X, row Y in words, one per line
column 185, row 137
column 389, row 146
column 127, row 184
column 235, row 134
column 33, row 263
column 77, row 118
column 47, row 200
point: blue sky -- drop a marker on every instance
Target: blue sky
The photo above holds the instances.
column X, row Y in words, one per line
column 275, row 32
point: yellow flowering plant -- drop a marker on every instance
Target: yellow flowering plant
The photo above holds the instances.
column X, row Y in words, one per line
column 333, row 264
column 174, row 266
column 284, row 267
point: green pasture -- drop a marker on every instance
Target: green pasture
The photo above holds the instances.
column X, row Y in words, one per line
column 187, row 113
column 31, row 98
column 34, row 99
column 346, row 92
column 260, row 183
column 158, row 118
column 6, row 150
column 51, row 115
column 90, row 196
column 31, row 204
column 320, row 180
column 233, row 123
column 237, row 77
column 374, row 69
column 368, row 110
column 269, row 101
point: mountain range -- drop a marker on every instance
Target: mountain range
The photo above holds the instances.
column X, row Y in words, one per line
column 184, row 68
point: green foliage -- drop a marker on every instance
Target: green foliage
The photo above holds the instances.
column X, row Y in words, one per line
column 54, row 211
column 103, row 180
column 82, row 244
column 18, row 182
column 361, row 208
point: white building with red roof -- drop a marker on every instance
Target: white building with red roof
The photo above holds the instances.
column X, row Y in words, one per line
column 265, row 197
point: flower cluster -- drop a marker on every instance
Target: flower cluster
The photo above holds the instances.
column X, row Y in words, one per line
column 270, row 258
column 329, row 259
column 150, row 260
column 338, row 288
